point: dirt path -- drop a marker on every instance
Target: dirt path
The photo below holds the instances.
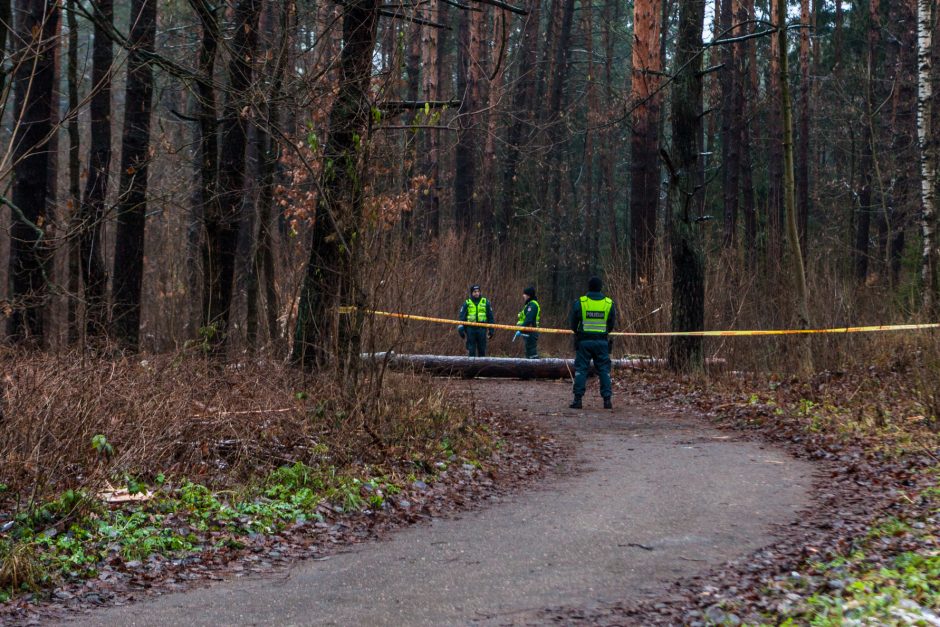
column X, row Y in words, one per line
column 647, row 499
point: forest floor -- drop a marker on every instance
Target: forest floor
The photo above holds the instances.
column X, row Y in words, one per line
column 692, row 502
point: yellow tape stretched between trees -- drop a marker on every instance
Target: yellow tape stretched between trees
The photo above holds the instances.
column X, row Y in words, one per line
column 510, row 327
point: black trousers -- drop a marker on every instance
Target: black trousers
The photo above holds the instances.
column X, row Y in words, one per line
column 476, row 342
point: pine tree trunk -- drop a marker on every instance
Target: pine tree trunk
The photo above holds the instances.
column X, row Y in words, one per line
column 688, row 273
column 331, row 279
column 775, row 211
column 802, row 157
column 205, row 207
column 607, row 167
column 463, row 151
column 430, row 158
column 497, row 60
column 644, row 180
column 6, row 18
column 135, row 159
column 269, row 148
column 75, row 193
column 747, row 93
column 795, row 255
column 222, row 231
column 523, row 105
column 730, row 131
column 590, row 244
column 904, row 140
column 91, row 215
column 867, row 206
column 34, row 78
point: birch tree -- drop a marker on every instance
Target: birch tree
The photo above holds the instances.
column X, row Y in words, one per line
column 928, row 156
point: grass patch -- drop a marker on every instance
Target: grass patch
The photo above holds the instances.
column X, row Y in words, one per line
column 62, row 541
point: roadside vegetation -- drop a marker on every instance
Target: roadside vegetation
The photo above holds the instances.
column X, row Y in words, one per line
column 105, row 464
column 869, row 552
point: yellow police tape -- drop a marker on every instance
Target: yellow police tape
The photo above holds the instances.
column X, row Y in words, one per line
column 509, row 327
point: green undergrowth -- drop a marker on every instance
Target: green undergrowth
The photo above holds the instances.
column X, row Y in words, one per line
column 76, row 535
column 889, row 577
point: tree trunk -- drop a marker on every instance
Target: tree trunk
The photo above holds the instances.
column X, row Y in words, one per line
column 94, row 275
column 6, row 18
column 430, row 159
column 644, row 180
column 36, row 29
column 802, row 158
column 775, row 211
column 332, row 273
column 222, row 229
column 688, row 273
column 607, row 167
column 866, row 204
column 495, row 71
column 590, row 244
column 206, row 202
column 269, row 148
column 730, row 131
column 469, row 83
column 75, row 192
column 927, row 139
column 523, row 105
column 904, row 140
column 747, row 94
column 797, row 272
column 135, row 159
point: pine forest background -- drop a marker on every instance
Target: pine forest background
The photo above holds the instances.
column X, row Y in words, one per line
column 232, row 173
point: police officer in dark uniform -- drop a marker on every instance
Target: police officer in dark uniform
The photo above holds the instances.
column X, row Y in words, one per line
column 530, row 316
column 476, row 309
column 592, row 317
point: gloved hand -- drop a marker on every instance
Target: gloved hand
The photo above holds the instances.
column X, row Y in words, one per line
column 462, row 331
column 516, row 335
column 610, row 345
column 489, row 333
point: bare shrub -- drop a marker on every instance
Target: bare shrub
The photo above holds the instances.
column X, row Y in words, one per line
column 184, row 415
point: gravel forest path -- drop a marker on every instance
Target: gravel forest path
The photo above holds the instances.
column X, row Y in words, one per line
column 647, row 497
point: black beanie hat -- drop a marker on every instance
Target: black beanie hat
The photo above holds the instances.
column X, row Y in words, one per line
column 529, row 291
column 595, row 284
column 473, row 288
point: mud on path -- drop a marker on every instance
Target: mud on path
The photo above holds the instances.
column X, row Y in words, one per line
column 646, row 498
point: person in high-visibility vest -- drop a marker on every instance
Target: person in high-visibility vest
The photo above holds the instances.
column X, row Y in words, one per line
column 530, row 316
column 592, row 318
column 476, row 309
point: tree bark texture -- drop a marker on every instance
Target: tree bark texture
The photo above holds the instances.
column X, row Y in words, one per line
column 36, row 28
column 644, row 167
column 331, row 276
column 430, row 202
column 206, row 202
column 927, row 140
column 802, row 157
column 91, row 215
column 730, row 129
column 222, row 229
column 688, row 274
column 797, row 271
column 523, row 105
column 135, row 160
column 75, row 190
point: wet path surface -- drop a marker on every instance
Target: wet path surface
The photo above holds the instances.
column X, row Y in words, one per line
column 646, row 499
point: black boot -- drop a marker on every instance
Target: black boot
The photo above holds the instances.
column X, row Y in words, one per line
column 576, row 403
column 607, row 403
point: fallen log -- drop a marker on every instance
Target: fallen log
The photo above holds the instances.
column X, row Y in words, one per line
column 503, row 367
